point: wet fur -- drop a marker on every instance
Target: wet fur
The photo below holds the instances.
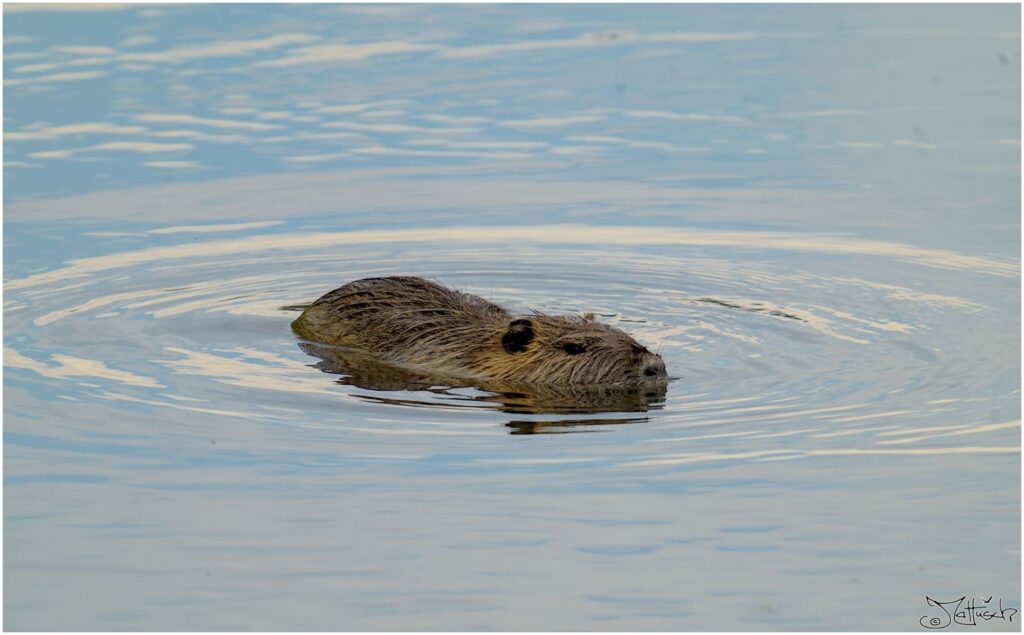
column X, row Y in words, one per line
column 370, row 373
column 421, row 325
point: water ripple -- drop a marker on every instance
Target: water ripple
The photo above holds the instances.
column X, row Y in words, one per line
column 763, row 353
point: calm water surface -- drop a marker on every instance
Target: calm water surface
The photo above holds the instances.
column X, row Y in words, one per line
column 811, row 211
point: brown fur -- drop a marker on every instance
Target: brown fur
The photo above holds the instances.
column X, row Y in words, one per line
column 370, row 373
column 417, row 324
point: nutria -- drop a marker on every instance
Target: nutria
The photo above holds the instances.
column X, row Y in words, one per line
column 416, row 324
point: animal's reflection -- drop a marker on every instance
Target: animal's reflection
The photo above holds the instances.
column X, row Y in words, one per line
column 360, row 370
column 563, row 426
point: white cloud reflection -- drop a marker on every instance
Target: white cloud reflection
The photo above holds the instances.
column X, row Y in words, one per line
column 84, row 50
column 549, row 122
column 632, row 143
column 610, row 38
column 115, row 146
column 682, row 116
column 174, row 165
column 231, row 48
column 53, row 132
column 67, row 7
column 704, row 457
column 137, row 40
column 380, row 150
column 345, row 53
column 207, row 229
column 68, row 366
column 545, row 234
column 230, row 124
column 57, row 77
column 397, row 128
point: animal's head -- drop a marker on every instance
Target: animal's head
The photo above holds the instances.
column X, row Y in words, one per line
column 572, row 350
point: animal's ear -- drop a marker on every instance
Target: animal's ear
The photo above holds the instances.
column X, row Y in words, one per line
column 518, row 336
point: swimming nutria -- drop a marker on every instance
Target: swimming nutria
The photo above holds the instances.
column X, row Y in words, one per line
column 417, row 324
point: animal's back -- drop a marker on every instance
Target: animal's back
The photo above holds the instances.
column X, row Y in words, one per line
column 396, row 317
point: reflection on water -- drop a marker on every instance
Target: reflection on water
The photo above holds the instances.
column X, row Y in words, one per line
column 561, row 426
column 757, row 307
column 826, row 256
column 368, row 373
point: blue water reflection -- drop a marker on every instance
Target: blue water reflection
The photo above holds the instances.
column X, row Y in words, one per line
column 811, row 211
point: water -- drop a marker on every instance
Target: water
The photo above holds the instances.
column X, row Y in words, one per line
column 811, row 211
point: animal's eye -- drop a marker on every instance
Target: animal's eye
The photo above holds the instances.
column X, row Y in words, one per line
column 573, row 348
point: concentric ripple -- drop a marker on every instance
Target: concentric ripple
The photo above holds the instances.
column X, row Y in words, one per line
column 776, row 350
